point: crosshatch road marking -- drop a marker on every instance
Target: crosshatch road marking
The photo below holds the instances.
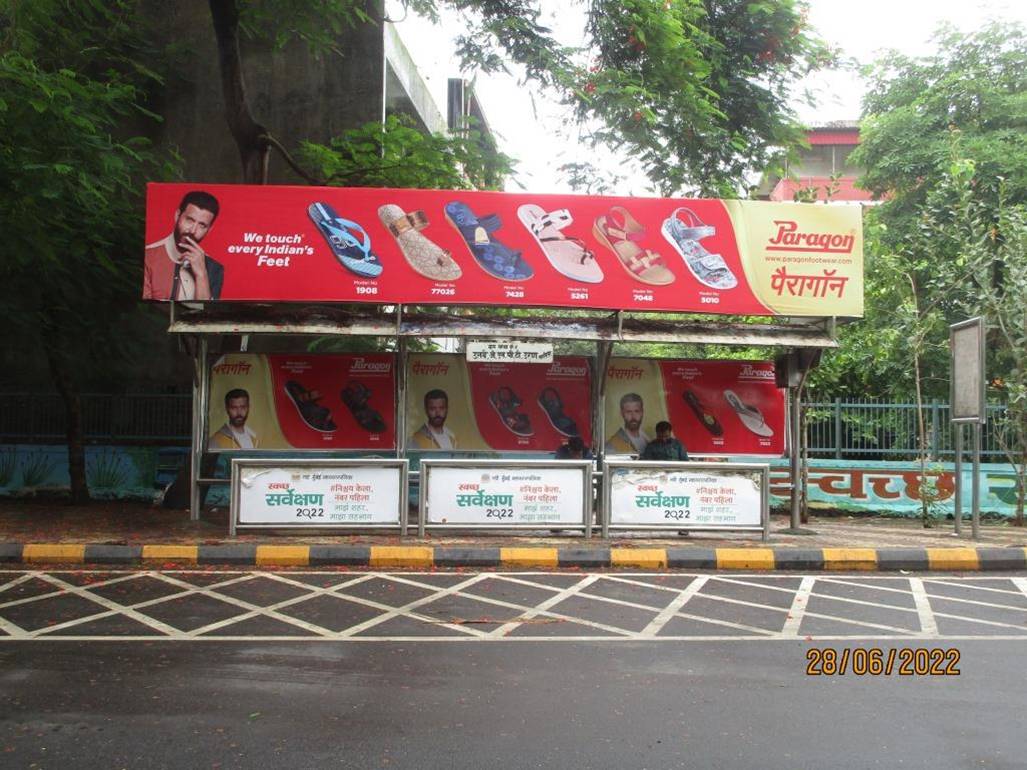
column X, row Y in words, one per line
column 38, row 605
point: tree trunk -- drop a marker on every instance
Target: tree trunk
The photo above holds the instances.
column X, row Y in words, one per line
column 73, row 415
column 250, row 136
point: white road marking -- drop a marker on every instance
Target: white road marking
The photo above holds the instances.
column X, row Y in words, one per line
column 678, row 600
column 672, row 609
column 798, row 608
column 928, row 625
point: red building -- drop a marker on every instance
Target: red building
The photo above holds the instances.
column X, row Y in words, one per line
column 828, row 153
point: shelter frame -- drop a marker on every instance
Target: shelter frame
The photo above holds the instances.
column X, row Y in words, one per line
column 204, row 327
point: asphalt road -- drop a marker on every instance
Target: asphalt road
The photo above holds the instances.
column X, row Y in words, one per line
column 509, row 671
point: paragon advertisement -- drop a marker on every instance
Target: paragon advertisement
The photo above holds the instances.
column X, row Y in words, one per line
column 329, row 493
column 302, row 401
column 483, row 494
column 454, row 405
column 311, row 244
column 714, row 407
column 698, row 496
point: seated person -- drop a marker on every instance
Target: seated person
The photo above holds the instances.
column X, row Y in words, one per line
column 664, row 447
column 574, row 449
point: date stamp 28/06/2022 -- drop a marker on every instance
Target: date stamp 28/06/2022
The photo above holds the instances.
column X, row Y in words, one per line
column 875, row 661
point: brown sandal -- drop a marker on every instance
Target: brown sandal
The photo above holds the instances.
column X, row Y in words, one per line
column 620, row 233
column 425, row 257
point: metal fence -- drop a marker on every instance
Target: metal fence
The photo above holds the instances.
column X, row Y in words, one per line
column 839, row 429
column 129, row 418
column 885, row 430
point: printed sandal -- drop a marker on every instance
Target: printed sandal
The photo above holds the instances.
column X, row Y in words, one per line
column 711, row 423
column 620, row 233
column 505, row 402
column 750, row 416
column 569, row 255
column 342, row 235
column 709, row 269
column 316, row 417
column 495, row 258
column 552, row 405
column 425, row 257
column 355, row 396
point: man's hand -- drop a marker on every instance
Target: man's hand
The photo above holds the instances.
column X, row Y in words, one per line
column 193, row 256
column 196, row 261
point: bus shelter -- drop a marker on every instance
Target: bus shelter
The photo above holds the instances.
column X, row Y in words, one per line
column 291, row 268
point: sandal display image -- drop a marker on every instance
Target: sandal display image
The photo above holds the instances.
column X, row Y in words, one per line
column 552, row 405
column 355, row 396
column 621, row 233
column 348, row 241
column 425, row 257
column 316, row 417
column 683, row 230
column 569, row 255
column 751, row 417
column 711, row 423
column 505, row 402
column 495, row 258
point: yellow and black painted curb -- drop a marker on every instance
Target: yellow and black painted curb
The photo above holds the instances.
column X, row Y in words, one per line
column 531, row 557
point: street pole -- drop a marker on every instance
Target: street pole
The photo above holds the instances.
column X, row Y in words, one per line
column 958, row 472
column 796, row 523
column 975, row 510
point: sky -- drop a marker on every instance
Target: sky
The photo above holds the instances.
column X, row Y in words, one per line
column 541, row 136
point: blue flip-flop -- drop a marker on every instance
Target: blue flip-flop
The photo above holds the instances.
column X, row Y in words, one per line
column 495, row 258
column 342, row 235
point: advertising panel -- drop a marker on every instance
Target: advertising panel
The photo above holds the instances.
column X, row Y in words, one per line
column 715, row 407
column 302, row 401
column 490, row 494
column 315, row 244
column 318, row 493
column 686, row 496
column 454, row 405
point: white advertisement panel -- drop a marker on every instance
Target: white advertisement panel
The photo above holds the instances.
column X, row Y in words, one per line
column 481, row 494
column 686, row 495
column 327, row 493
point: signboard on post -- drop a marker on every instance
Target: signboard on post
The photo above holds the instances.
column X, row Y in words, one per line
column 966, row 343
column 510, row 351
column 497, row 494
column 319, row 494
column 679, row 496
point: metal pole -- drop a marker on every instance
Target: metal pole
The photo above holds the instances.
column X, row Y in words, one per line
column 603, row 351
column 794, row 459
column 401, row 423
column 201, row 397
column 958, row 472
column 837, row 428
column 975, row 494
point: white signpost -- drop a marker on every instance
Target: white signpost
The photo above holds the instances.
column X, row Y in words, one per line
column 498, row 494
column 679, row 496
column 967, row 405
column 319, row 494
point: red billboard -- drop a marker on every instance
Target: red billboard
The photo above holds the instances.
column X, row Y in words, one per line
column 384, row 246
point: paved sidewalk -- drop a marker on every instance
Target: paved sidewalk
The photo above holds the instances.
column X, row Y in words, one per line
column 134, row 533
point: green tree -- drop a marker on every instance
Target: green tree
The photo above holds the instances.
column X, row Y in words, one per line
column 70, row 201
column 696, row 90
column 966, row 102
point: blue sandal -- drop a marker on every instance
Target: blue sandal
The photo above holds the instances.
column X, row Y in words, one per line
column 354, row 254
column 495, row 258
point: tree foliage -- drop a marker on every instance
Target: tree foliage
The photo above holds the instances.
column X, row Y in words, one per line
column 958, row 114
column 70, row 199
column 695, row 90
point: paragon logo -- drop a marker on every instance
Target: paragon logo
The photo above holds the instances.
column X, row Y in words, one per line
column 559, row 370
column 789, row 238
column 750, row 372
column 363, row 365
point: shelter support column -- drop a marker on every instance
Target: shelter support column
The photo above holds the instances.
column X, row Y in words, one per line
column 201, row 399
column 604, row 349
